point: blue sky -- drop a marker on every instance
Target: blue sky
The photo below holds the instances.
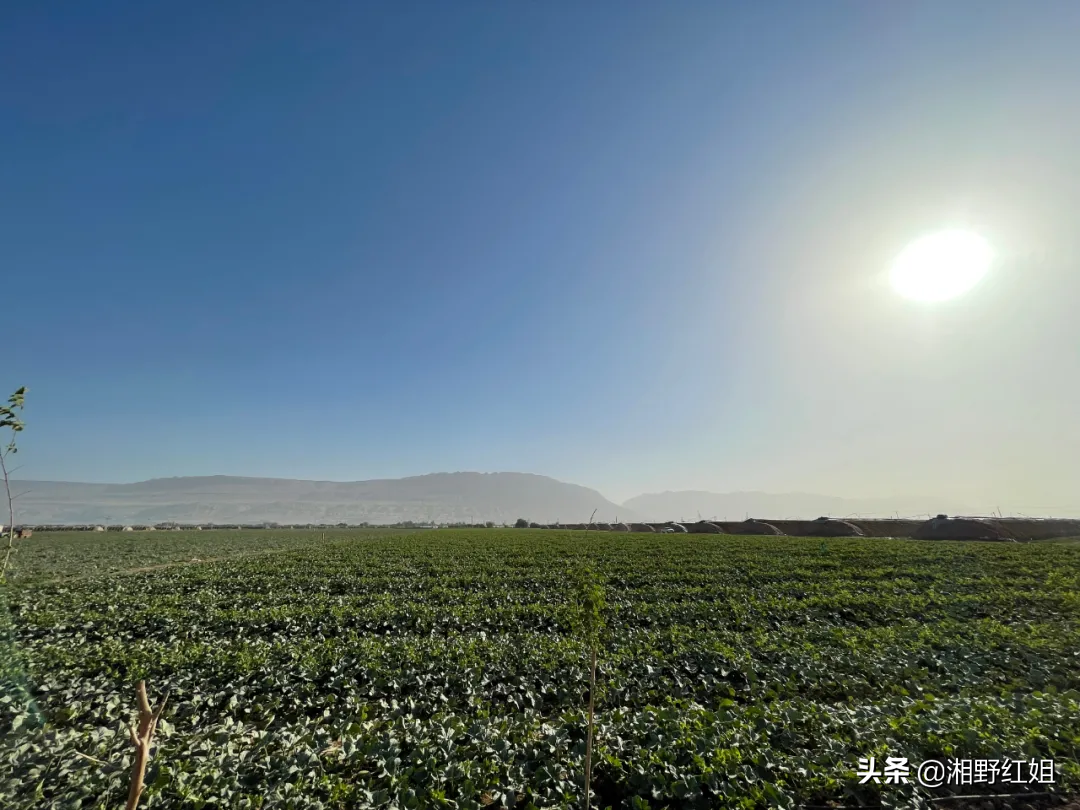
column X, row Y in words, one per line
column 637, row 246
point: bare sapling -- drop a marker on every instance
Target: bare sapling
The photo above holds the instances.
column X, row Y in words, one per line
column 9, row 418
column 142, row 738
column 590, row 620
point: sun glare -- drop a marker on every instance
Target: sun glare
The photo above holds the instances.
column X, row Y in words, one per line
column 941, row 266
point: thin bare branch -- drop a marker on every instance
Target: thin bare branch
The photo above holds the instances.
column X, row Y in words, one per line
column 589, row 740
column 95, row 760
column 11, row 517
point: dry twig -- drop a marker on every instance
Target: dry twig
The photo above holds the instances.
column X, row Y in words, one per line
column 89, row 758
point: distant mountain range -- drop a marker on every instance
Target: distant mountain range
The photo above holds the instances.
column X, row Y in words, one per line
column 440, row 498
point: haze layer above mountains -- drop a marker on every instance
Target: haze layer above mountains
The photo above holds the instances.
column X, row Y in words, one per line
column 440, row 498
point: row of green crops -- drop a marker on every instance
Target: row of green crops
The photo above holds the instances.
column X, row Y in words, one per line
column 55, row 555
column 438, row 669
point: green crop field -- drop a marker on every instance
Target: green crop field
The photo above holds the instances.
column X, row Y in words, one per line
column 438, row 669
column 56, row 555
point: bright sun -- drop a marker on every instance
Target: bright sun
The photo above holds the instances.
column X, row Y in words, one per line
column 941, row 266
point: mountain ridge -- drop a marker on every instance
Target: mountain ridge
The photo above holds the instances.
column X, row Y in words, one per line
column 443, row 497
column 433, row 497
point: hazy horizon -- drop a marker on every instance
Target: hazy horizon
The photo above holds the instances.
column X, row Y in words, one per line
column 639, row 248
column 420, row 475
column 660, row 505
